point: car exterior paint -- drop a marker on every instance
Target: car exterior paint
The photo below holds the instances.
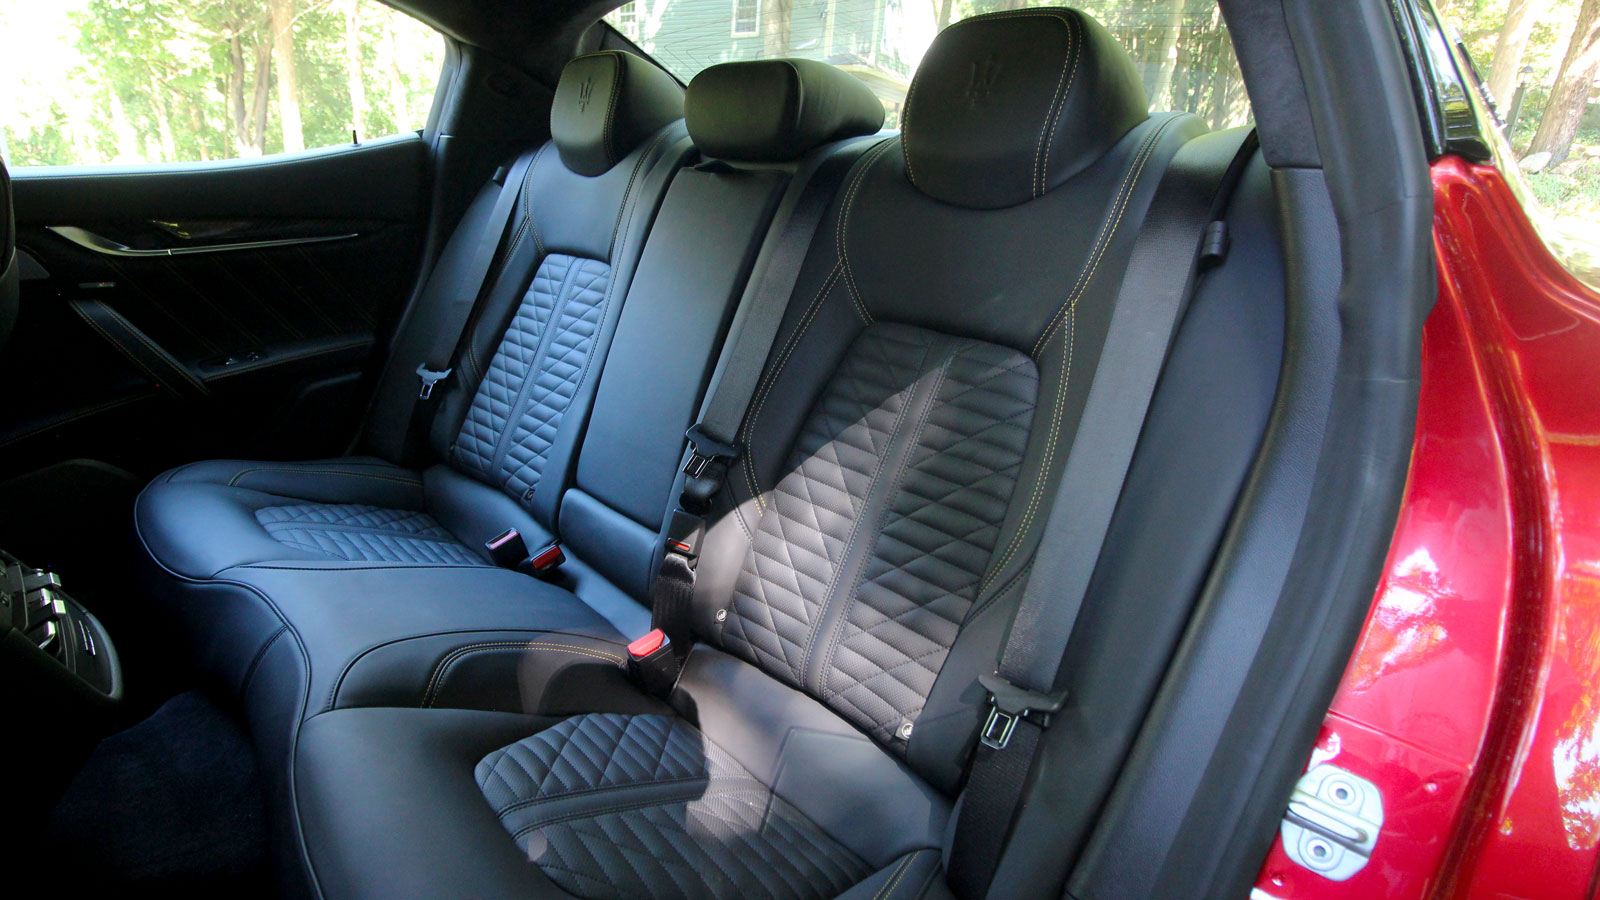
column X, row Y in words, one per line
column 1473, row 697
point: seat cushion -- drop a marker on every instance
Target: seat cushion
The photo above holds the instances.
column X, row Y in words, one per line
column 203, row 518
column 612, row 806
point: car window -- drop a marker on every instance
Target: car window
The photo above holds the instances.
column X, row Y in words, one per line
column 159, row 81
column 1181, row 47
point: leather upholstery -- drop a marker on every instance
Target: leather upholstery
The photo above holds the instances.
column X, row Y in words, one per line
column 775, row 110
column 1007, row 106
column 859, row 570
column 607, row 104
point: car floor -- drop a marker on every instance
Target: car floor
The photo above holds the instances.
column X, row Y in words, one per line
column 171, row 806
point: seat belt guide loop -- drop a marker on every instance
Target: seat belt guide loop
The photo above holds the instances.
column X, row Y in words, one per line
column 430, row 377
column 1009, row 703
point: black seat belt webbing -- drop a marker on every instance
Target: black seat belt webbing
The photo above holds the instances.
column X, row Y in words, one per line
column 713, row 437
column 1177, row 239
column 452, row 322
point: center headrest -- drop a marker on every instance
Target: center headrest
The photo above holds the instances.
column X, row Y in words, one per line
column 606, row 104
column 1008, row 105
column 774, row 110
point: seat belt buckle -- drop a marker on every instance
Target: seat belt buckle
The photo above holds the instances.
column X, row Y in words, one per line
column 1009, row 703
column 705, row 450
column 543, row 562
column 507, row 549
column 653, row 662
column 430, row 378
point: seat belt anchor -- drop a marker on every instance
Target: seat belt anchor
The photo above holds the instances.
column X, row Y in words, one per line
column 430, row 377
column 1009, row 703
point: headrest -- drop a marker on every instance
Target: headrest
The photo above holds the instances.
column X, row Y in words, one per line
column 606, row 104
column 774, row 110
column 1008, row 105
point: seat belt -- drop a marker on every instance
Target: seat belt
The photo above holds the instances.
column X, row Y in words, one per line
column 1183, row 233
column 713, row 445
column 452, row 322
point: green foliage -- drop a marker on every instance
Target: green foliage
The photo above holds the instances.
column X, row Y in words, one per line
column 177, row 80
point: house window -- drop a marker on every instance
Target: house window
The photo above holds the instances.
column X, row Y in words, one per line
column 746, row 17
column 626, row 18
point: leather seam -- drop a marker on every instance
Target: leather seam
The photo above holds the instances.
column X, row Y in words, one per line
column 234, row 481
column 841, row 232
column 1074, row 56
column 255, row 661
column 442, row 669
column 604, row 789
column 855, row 529
column 1125, row 191
column 849, row 600
column 776, row 371
column 888, row 889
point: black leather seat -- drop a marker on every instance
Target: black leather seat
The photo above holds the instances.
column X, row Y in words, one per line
column 900, row 456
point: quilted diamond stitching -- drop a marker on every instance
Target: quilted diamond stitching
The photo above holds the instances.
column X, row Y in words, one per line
column 487, row 420
column 799, row 544
column 361, row 533
column 731, row 838
column 936, row 541
column 556, row 376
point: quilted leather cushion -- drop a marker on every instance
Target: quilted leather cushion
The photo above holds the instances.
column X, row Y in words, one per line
column 613, row 806
column 358, row 532
column 544, row 356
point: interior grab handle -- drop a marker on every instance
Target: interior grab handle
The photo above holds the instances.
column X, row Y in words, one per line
column 108, row 247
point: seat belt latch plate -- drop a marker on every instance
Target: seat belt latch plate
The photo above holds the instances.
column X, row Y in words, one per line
column 430, row 378
column 705, row 450
column 1009, row 703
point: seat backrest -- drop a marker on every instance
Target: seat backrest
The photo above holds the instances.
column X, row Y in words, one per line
column 769, row 126
column 526, row 368
column 905, row 441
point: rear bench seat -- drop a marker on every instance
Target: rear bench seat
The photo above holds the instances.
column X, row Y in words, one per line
column 861, row 566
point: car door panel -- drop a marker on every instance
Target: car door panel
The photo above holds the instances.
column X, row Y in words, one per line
column 226, row 308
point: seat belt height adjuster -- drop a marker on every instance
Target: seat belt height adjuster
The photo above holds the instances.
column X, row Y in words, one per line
column 1009, row 703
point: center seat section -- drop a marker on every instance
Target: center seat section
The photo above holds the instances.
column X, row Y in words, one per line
column 874, row 535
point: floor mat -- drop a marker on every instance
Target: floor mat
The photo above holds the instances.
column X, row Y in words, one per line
column 172, row 805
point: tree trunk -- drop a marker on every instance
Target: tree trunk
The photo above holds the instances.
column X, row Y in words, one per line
column 941, row 14
column 352, row 68
column 397, row 85
column 1509, row 47
column 1166, row 54
column 258, row 97
column 774, row 24
column 236, row 74
column 283, row 61
column 158, row 105
column 1570, row 97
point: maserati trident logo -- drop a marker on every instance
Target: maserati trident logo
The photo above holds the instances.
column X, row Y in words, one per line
column 585, row 92
column 980, row 81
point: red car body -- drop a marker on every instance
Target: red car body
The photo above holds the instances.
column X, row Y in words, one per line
column 1473, row 697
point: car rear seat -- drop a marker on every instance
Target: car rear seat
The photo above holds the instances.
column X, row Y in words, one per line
column 584, row 209
column 899, row 459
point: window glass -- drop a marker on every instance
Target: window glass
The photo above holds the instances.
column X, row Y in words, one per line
column 1181, row 46
column 147, row 81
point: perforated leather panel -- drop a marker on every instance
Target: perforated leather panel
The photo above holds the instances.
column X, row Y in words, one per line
column 506, row 435
column 361, row 533
column 613, row 806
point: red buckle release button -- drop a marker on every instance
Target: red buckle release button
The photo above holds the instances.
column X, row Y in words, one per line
column 648, row 644
column 547, row 559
